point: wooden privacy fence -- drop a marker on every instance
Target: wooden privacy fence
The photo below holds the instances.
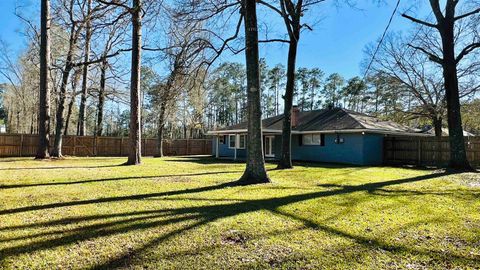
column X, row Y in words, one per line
column 426, row 151
column 17, row 145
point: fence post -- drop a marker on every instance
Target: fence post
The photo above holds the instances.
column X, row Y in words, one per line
column 74, row 145
column 21, row 145
column 440, row 152
column 95, row 145
column 419, row 152
column 121, row 146
column 144, row 148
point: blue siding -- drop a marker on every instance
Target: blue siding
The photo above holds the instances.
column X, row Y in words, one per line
column 350, row 152
column 373, row 149
column 277, row 142
column 224, row 151
column 357, row 149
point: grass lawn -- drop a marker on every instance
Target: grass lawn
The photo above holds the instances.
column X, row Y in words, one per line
column 180, row 213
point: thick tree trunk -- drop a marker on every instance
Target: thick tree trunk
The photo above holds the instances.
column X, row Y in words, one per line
column 44, row 103
column 81, row 128
column 255, row 171
column 437, row 126
column 101, row 99
column 134, row 156
column 458, row 154
column 285, row 161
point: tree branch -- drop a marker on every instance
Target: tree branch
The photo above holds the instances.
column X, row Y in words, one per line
column 419, row 21
column 274, row 40
column 432, row 56
column 101, row 58
column 467, row 14
column 115, row 3
column 271, row 7
column 466, row 51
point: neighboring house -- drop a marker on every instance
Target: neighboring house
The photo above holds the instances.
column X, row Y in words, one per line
column 431, row 131
column 328, row 135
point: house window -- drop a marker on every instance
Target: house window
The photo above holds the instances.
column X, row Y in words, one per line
column 313, row 139
column 223, row 139
column 241, row 141
column 237, row 141
column 232, row 141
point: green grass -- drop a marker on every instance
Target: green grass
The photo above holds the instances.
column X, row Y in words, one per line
column 180, row 213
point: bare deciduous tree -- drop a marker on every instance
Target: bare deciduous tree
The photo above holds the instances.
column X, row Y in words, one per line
column 415, row 72
column 81, row 128
column 291, row 13
column 448, row 59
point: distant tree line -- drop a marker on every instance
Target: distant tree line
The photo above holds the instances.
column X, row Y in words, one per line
column 226, row 87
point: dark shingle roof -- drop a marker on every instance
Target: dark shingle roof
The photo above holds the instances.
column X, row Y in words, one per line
column 431, row 131
column 329, row 120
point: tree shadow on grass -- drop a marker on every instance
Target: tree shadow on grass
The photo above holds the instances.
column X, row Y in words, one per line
column 113, row 199
column 209, row 160
column 188, row 218
column 215, row 212
column 376, row 243
column 205, row 160
column 369, row 187
column 112, row 179
column 7, row 159
column 406, row 192
column 60, row 167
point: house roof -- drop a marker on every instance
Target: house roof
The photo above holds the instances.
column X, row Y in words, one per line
column 327, row 120
column 431, row 131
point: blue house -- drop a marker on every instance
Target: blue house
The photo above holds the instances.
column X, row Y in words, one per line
column 329, row 135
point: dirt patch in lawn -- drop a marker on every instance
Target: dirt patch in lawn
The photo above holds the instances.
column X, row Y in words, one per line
column 469, row 179
column 234, row 237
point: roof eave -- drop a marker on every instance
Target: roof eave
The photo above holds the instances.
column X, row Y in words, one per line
column 230, row 131
column 371, row 131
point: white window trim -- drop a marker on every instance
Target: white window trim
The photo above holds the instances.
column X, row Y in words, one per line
column 229, row 140
column 271, row 147
column 237, row 141
column 311, row 144
column 244, row 141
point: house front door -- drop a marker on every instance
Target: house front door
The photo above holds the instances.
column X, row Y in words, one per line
column 269, row 146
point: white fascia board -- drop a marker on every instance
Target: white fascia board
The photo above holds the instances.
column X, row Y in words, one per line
column 371, row 131
column 234, row 131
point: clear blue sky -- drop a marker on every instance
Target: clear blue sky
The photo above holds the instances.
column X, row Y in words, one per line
column 335, row 45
